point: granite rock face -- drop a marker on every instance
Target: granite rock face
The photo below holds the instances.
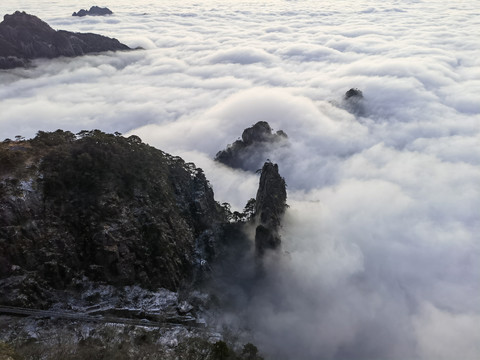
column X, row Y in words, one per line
column 94, row 11
column 249, row 153
column 24, row 37
column 270, row 206
column 101, row 208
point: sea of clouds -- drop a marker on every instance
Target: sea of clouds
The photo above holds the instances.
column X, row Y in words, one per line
column 381, row 246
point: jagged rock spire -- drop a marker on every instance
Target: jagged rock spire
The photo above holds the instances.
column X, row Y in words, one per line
column 270, row 207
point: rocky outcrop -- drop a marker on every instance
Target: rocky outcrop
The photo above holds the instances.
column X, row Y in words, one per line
column 270, row 205
column 254, row 148
column 94, row 11
column 24, row 37
column 100, row 207
column 353, row 93
column 353, row 102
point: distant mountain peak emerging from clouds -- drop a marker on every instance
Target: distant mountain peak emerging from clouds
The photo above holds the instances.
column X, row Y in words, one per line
column 24, row 37
column 94, row 11
column 252, row 150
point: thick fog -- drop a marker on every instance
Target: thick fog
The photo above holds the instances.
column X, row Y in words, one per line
column 381, row 252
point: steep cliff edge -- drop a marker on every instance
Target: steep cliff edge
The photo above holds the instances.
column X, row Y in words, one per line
column 24, row 37
column 103, row 208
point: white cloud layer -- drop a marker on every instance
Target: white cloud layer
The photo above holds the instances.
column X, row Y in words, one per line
column 382, row 231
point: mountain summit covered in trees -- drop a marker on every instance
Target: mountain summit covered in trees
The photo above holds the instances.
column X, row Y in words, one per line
column 82, row 213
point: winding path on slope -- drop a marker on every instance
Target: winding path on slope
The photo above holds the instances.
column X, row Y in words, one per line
column 166, row 322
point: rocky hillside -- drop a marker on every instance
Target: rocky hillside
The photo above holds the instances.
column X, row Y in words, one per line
column 98, row 228
column 353, row 102
column 24, row 37
column 100, row 207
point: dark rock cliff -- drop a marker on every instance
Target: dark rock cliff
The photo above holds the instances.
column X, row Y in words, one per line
column 102, row 208
column 251, row 151
column 24, row 37
column 270, row 205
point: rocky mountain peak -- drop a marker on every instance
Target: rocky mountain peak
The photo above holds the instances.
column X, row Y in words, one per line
column 251, row 151
column 24, row 37
column 94, row 11
column 20, row 29
column 353, row 92
column 259, row 132
column 353, row 102
column 270, row 206
column 24, row 20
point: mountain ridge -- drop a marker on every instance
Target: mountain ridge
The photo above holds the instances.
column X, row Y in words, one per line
column 24, row 37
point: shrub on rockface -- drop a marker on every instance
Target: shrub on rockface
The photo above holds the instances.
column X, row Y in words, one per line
column 8, row 353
